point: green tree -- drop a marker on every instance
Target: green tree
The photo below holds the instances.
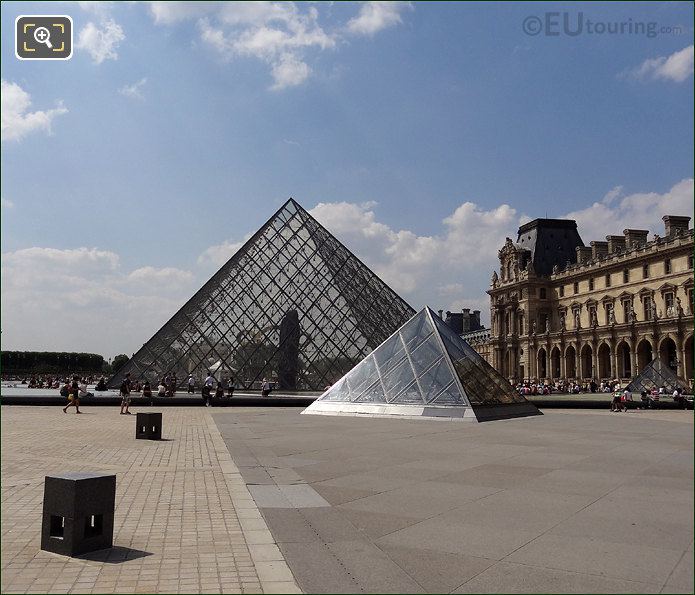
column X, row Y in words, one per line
column 119, row 361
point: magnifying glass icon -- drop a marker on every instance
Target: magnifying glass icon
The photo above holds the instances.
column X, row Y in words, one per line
column 43, row 35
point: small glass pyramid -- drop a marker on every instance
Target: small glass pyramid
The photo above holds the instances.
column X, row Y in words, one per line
column 655, row 375
column 424, row 369
column 293, row 305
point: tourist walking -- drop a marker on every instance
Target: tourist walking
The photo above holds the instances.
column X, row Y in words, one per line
column 615, row 401
column 207, row 388
column 125, row 395
column 266, row 387
column 230, row 387
column 191, row 384
column 627, row 396
column 73, row 396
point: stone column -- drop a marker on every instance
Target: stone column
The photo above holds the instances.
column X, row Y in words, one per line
column 615, row 371
column 681, row 359
column 563, row 371
column 594, row 360
column 633, row 358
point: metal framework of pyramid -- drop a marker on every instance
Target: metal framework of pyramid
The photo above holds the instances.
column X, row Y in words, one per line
column 424, row 369
column 293, row 305
column 655, row 375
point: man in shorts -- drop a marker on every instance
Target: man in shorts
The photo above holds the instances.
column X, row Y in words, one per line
column 125, row 395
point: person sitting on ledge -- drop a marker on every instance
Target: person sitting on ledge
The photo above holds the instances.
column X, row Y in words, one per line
column 101, row 385
column 147, row 391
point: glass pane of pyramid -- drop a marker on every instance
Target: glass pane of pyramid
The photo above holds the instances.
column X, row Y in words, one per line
column 416, row 330
column 434, row 367
column 655, row 375
column 374, row 394
column 432, row 381
column 411, row 395
column 362, row 376
column 397, row 379
column 390, row 353
column 451, row 395
column 293, row 306
column 481, row 383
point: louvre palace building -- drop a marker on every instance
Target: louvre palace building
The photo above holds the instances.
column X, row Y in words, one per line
column 561, row 309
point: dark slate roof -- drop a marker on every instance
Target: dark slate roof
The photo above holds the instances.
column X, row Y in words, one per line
column 551, row 242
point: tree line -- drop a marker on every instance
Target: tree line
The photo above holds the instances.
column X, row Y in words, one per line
column 44, row 362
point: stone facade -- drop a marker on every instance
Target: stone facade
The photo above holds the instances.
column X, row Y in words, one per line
column 563, row 310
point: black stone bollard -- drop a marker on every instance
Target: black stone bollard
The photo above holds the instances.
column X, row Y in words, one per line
column 149, row 426
column 78, row 513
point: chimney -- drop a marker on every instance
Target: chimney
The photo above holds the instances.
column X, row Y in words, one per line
column 476, row 320
column 616, row 244
column 466, row 320
column 635, row 237
column 598, row 249
column 440, row 314
column 673, row 224
column 584, row 254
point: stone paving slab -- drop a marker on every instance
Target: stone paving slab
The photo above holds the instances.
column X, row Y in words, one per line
column 185, row 521
column 571, row 502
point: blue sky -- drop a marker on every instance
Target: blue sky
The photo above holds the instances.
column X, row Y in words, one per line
column 422, row 134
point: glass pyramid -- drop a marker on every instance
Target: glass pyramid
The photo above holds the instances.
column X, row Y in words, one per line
column 655, row 375
column 293, row 305
column 424, row 369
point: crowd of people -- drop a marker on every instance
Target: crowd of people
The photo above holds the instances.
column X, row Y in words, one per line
column 574, row 387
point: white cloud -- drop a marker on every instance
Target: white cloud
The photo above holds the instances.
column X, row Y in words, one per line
column 167, row 13
column 375, row 16
column 6, row 203
column 82, row 299
column 677, row 67
column 219, row 254
column 101, row 42
column 100, row 9
column 133, row 91
column 422, row 268
column 282, row 34
column 16, row 121
column 289, row 71
column 642, row 210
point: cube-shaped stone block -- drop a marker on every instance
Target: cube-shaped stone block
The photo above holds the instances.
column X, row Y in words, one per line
column 149, row 426
column 78, row 513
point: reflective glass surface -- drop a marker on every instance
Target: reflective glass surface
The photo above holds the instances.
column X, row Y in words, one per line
column 293, row 306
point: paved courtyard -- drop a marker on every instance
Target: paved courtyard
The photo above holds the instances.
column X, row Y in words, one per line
column 572, row 501
column 185, row 521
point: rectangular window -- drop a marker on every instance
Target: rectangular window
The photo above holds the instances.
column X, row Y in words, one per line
column 648, row 308
column 610, row 315
column 591, row 284
column 576, row 287
column 543, row 293
column 645, row 271
column 667, row 266
column 626, row 276
column 690, row 261
column 562, row 291
column 608, row 279
column 627, row 306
